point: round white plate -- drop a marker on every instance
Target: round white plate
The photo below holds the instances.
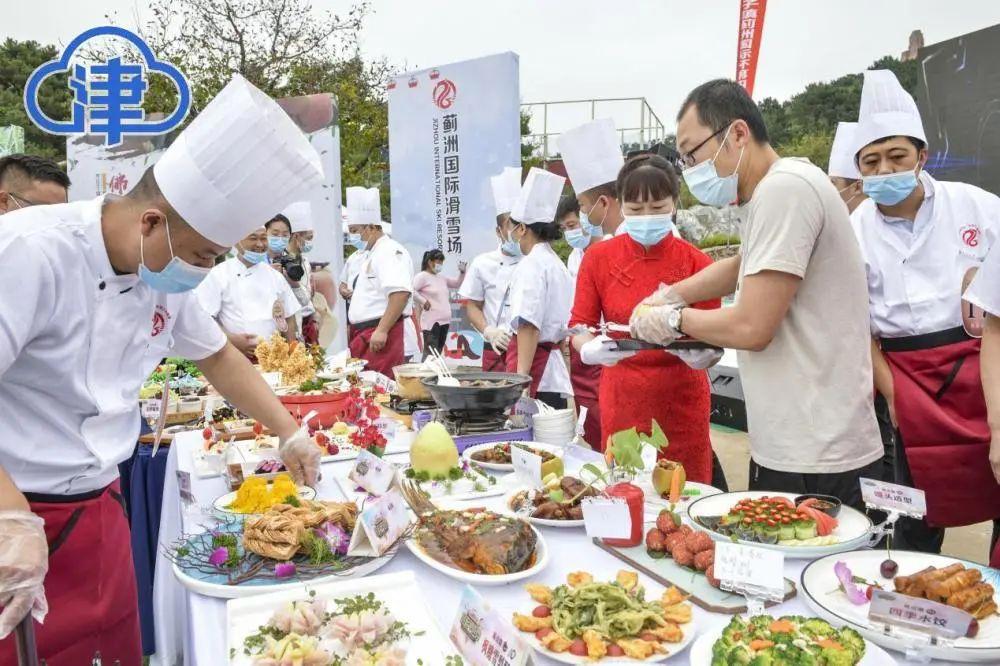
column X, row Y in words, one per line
column 654, row 499
column 853, row 530
column 506, row 467
column 220, row 504
column 543, row 522
column 818, row 582
column 701, row 651
column 673, row 649
column 541, row 559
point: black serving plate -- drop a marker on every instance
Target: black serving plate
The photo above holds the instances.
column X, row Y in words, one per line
column 631, row 344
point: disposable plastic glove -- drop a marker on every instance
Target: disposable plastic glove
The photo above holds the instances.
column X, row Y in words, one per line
column 664, row 295
column 498, row 338
column 699, row 359
column 651, row 323
column 301, row 457
column 24, row 561
column 601, row 351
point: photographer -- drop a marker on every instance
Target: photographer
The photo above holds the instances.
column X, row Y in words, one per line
column 294, row 265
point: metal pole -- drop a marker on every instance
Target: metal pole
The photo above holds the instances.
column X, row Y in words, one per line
column 593, row 109
column 642, row 123
column 545, row 132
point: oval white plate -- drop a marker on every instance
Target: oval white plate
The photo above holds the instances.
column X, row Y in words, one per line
column 690, row 631
column 701, row 651
column 541, row 559
column 852, row 531
column 544, row 522
column 818, row 580
column 505, row 467
column 220, row 504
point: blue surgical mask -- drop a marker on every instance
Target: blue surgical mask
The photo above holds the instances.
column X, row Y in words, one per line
column 891, row 188
column 577, row 239
column 277, row 243
column 708, row 186
column 593, row 230
column 255, row 257
column 511, row 247
column 649, row 230
column 177, row 276
column 356, row 241
column 307, row 248
column 436, row 268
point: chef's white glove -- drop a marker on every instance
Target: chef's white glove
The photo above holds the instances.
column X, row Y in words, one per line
column 651, row 323
column 24, row 561
column 601, row 351
column 301, row 457
column 664, row 295
column 699, row 359
column 498, row 338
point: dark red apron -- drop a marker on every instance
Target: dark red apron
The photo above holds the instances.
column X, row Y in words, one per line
column 390, row 356
column 538, row 363
column 586, row 380
column 492, row 361
column 90, row 586
column 941, row 414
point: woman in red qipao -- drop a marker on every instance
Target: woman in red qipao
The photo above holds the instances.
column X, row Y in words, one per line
column 615, row 276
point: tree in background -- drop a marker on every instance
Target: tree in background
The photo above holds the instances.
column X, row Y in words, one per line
column 17, row 61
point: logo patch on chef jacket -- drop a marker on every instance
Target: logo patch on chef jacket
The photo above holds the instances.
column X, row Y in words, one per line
column 160, row 318
column 971, row 234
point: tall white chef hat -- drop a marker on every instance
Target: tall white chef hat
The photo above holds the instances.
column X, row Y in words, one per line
column 539, row 197
column 238, row 163
column 363, row 206
column 841, row 155
column 506, row 186
column 300, row 216
column 886, row 110
column 591, row 153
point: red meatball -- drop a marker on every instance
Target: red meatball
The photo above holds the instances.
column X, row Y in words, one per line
column 698, row 541
column 673, row 541
column 683, row 556
column 704, row 559
column 655, row 540
column 665, row 522
column 710, row 575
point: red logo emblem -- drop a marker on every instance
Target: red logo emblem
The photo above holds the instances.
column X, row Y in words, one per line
column 444, row 93
column 434, row 74
column 970, row 235
column 412, row 83
column 160, row 318
column 392, row 85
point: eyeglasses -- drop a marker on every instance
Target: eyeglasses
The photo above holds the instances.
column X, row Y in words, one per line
column 687, row 159
column 21, row 201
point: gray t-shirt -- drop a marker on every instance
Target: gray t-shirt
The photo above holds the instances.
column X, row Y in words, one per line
column 809, row 393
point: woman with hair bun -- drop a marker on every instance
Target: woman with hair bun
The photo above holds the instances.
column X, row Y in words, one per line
column 541, row 291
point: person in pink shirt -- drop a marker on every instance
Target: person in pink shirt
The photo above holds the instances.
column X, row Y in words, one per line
column 430, row 294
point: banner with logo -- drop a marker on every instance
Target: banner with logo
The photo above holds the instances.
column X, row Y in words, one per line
column 748, row 41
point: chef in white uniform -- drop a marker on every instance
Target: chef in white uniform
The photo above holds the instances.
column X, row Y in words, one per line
column 485, row 289
column 101, row 291
column 842, row 169
column 921, row 239
column 352, row 264
column 249, row 299
column 541, row 291
column 592, row 154
column 411, row 340
column 381, row 298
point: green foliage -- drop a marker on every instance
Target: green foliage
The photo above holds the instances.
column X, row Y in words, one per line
column 626, row 446
column 718, row 240
column 17, row 61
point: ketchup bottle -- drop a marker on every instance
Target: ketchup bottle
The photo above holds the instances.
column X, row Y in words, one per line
column 635, row 499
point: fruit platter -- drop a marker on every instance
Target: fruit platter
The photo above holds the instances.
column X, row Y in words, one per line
column 586, row 621
column 379, row 620
column 839, row 588
column 776, row 522
column 789, row 640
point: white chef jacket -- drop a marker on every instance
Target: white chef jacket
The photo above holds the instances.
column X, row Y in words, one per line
column 915, row 283
column 387, row 269
column 76, row 343
column 488, row 281
column 242, row 297
column 541, row 294
column 352, row 266
column 984, row 291
column 573, row 262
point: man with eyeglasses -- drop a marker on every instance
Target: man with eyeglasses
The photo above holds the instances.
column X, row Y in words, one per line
column 800, row 319
column 29, row 180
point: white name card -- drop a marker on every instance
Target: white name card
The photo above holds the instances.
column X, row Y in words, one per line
column 606, row 517
column 739, row 567
column 380, row 525
column 922, row 615
column 527, row 466
column 482, row 637
column 372, row 473
column 893, row 497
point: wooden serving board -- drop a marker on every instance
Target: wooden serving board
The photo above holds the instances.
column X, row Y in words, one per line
column 666, row 572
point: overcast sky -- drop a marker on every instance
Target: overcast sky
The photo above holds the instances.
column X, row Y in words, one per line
column 581, row 49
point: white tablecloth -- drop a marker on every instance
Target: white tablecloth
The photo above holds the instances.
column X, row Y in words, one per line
column 191, row 628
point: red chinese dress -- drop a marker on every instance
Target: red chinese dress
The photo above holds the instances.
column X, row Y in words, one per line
column 615, row 275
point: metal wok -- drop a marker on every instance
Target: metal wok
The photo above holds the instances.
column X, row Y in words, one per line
column 478, row 398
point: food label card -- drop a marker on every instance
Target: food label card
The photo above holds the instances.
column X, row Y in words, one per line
column 381, row 523
column 184, row 487
column 273, row 379
column 527, row 466
column 922, row 615
column 893, row 497
column 606, row 517
column 755, row 571
column 372, row 473
column 379, row 380
column 482, row 637
column 575, row 457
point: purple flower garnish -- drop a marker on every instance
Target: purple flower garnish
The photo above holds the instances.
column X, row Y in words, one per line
column 284, row 569
column 219, row 556
column 854, row 593
column 335, row 537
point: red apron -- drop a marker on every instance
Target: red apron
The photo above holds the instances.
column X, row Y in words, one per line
column 492, row 361
column 941, row 414
column 384, row 361
column 538, row 363
column 90, row 586
column 586, row 380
